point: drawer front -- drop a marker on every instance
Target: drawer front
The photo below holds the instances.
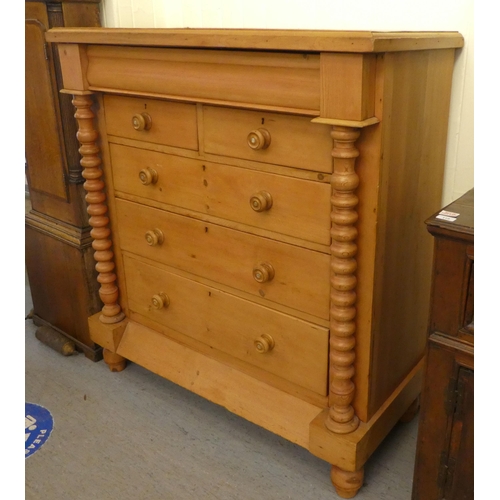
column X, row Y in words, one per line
column 268, row 137
column 288, row 80
column 278, row 272
column 286, row 205
column 290, row 348
column 169, row 123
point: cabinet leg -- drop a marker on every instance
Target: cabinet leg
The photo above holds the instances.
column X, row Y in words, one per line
column 346, row 483
column 115, row 362
column 410, row 413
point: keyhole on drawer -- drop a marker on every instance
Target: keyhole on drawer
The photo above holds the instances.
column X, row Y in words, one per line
column 206, row 230
column 262, row 121
column 205, row 183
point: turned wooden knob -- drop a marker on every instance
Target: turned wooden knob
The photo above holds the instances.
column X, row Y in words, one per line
column 264, row 343
column 160, row 300
column 154, row 237
column 263, row 272
column 259, row 139
column 148, row 176
column 142, row 121
column 261, row 201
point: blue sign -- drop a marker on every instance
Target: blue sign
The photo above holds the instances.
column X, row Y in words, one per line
column 38, row 424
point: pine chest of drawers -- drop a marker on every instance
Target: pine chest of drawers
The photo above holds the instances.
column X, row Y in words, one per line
column 257, row 201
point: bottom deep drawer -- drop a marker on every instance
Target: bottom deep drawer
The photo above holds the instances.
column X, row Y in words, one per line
column 278, row 343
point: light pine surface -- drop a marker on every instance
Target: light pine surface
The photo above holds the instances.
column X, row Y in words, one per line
column 135, row 435
column 313, row 40
column 232, row 325
column 321, row 14
column 398, row 96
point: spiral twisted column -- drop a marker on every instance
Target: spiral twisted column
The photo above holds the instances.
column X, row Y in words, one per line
column 341, row 418
column 97, row 209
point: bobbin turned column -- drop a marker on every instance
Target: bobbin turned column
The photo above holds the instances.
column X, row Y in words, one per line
column 341, row 418
column 99, row 221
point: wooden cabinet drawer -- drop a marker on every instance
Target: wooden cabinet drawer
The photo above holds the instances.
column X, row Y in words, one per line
column 231, row 324
column 172, row 123
column 230, row 257
column 298, row 207
column 280, row 139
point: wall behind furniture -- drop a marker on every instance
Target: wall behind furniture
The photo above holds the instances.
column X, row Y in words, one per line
column 391, row 15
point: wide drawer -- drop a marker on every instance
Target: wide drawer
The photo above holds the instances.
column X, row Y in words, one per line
column 151, row 120
column 272, row 270
column 278, row 343
column 287, row 205
column 268, row 137
column 248, row 78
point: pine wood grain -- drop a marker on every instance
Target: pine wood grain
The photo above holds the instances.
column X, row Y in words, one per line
column 257, row 299
column 275, row 80
column 351, row 451
column 347, row 86
column 173, row 124
column 389, row 116
column 241, row 394
column 299, row 40
column 410, row 188
column 228, row 256
column 226, row 160
column 232, row 325
column 107, row 177
column 295, row 141
column 299, row 207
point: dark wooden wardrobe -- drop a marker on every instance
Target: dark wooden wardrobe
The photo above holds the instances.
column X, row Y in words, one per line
column 59, row 257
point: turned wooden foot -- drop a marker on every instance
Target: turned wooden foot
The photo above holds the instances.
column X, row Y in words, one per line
column 346, row 483
column 410, row 413
column 115, row 362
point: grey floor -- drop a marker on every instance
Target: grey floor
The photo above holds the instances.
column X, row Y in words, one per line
column 135, row 436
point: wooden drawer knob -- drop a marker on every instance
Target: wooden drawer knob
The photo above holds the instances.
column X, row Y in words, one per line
column 160, row 300
column 263, row 272
column 264, row 343
column 154, row 237
column 261, row 201
column 259, row 139
column 142, row 121
column 148, row 176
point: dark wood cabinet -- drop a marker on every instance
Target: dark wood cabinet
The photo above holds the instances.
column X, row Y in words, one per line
column 444, row 467
column 58, row 252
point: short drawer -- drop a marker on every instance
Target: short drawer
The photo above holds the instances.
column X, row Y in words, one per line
column 290, row 206
column 151, row 120
column 275, row 138
column 278, row 272
column 272, row 341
